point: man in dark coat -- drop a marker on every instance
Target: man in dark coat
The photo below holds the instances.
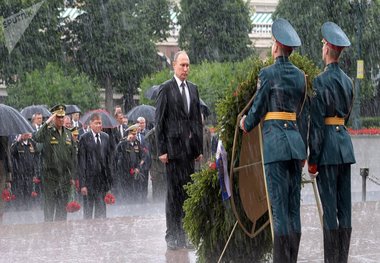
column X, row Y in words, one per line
column 58, row 153
column 179, row 135
column 280, row 95
column 331, row 150
column 95, row 179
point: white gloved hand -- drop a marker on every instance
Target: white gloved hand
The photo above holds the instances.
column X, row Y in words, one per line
column 242, row 123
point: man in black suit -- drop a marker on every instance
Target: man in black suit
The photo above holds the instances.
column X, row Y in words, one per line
column 179, row 135
column 75, row 120
column 121, row 131
column 94, row 168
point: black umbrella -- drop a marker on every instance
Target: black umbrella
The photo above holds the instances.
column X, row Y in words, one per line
column 28, row 111
column 204, row 108
column 152, row 92
column 107, row 120
column 143, row 110
column 12, row 122
column 70, row 109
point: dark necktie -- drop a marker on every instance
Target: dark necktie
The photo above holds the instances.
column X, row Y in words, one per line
column 184, row 98
column 97, row 141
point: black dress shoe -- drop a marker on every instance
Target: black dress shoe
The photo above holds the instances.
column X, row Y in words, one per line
column 172, row 245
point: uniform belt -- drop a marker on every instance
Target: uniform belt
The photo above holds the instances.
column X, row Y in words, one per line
column 334, row 121
column 280, row 115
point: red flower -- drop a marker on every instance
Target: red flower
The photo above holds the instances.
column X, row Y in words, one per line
column 109, row 199
column 34, row 194
column 212, row 165
column 235, row 94
column 132, row 171
column 6, row 195
column 72, row 207
column 13, row 197
column 36, row 180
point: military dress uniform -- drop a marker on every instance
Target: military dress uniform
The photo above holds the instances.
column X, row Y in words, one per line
column 25, row 167
column 331, row 150
column 129, row 156
column 58, row 155
column 278, row 101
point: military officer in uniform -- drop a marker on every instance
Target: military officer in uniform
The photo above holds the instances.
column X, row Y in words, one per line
column 278, row 102
column 25, row 165
column 58, row 153
column 129, row 163
column 331, row 150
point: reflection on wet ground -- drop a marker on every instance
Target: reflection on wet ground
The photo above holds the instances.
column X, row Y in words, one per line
column 135, row 233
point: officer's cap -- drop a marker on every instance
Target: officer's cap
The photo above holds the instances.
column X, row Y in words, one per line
column 59, row 110
column 74, row 131
column 334, row 35
column 133, row 129
column 285, row 34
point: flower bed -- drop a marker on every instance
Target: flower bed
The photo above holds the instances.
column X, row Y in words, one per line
column 364, row 131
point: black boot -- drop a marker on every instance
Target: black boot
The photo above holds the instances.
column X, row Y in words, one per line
column 281, row 251
column 294, row 245
column 331, row 245
column 344, row 244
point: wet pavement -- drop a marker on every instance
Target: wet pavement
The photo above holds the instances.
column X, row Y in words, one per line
column 140, row 238
column 135, row 233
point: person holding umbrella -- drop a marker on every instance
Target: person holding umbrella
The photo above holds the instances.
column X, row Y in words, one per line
column 58, row 153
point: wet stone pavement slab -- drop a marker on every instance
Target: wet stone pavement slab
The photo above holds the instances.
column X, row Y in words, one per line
column 135, row 233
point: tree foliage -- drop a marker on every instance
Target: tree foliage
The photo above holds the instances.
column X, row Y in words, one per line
column 117, row 41
column 39, row 44
column 215, row 30
column 52, row 85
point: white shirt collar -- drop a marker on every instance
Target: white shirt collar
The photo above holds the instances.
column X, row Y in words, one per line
column 179, row 82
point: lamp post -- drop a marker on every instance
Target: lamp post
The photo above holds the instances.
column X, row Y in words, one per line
column 359, row 7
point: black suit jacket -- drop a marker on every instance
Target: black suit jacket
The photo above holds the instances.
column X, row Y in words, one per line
column 94, row 166
column 179, row 134
column 117, row 133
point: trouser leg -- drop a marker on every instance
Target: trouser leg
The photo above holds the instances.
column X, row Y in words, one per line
column 88, row 206
column 344, row 244
column 283, row 181
column 178, row 175
column 331, row 245
column 281, row 250
column 100, row 205
column 62, row 198
column 49, row 203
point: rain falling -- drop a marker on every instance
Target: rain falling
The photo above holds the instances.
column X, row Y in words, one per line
column 188, row 131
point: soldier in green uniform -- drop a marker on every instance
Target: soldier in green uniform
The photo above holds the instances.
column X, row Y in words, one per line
column 58, row 155
column 278, row 102
column 331, row 150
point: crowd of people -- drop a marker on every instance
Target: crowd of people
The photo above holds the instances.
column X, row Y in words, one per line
column 61, row 160
column 45, row 165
